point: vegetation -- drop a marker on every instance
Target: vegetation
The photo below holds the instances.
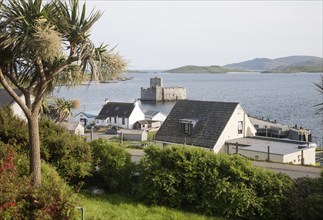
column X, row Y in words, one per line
column 289, row 64
column 202, row 69
column 69, row 153
column 305, row 199
column 60, row 109
column 184, row 179
column 217, row 185
column 19, row 200
column 117, row 206
column 113, row 166
column 41, row 43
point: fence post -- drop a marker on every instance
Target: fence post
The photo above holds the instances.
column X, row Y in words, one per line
column 237, row 148
column 302, row 159
column 268, row 153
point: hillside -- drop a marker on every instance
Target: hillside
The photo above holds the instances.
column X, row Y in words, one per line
column 313, row 65
column 283, row 64
column 201, row 69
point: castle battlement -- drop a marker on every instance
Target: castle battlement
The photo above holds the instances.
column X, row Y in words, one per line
column 156, row 92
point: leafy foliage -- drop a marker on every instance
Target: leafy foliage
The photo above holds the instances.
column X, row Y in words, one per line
column 60, row 109
column 197, row 180
column 18, row 199
column 305, row 199
column 13, row 130
column 39, row 43
column 113, row 166
column 69, row 153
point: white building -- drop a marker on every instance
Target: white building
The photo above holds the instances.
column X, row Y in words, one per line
column 273, row 149
column 205, row 124
column 73, row 127
column 155, row 116
column 84, row 118
column 120, row 114
column 7, row 100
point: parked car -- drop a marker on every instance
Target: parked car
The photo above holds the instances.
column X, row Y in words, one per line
column 113, row 130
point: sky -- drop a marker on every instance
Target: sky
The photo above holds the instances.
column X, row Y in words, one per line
column 161, row 35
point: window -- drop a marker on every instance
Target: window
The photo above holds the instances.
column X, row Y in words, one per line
column 115, row 119
column 187, row 125
column 187, row 128
column 110, row 119
column 240, row 127
column 123, row 121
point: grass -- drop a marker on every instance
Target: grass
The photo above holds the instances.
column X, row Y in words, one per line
column 116, row 206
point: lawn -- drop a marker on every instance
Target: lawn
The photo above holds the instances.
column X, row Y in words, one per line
column 115, row 206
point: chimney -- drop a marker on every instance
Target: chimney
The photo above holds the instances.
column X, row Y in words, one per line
column 136, row 102
column 106, row 100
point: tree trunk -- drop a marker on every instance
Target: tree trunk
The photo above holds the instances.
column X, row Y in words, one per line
column 34, row 150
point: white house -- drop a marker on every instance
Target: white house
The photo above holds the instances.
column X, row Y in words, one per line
column 205, row 124
column 273, row 149
column 155, row 116
column 7, row 100
column 85, row 118
column 120, row 114
column 73, row 127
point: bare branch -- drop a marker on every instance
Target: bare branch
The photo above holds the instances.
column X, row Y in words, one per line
column 12, row 93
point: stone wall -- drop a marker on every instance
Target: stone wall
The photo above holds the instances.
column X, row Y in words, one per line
column 174, row 93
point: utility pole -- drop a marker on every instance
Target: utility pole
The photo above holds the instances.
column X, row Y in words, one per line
column 268, row 153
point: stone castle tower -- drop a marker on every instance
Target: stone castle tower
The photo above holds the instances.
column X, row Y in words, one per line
column 157, row 92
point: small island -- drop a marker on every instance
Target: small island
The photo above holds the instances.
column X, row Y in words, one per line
column 203, row 69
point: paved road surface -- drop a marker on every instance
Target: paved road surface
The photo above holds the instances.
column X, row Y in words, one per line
column 293, row 171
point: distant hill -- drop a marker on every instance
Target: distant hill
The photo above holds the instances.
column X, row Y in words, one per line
column 283, row 64
column 202, row 69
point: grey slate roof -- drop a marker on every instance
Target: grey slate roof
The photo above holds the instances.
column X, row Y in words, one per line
column 152, row 113
column 212, row 118
column 6, row 99
column 88, row 115
column 116, row 109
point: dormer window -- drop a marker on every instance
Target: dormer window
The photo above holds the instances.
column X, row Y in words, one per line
column 187, row 125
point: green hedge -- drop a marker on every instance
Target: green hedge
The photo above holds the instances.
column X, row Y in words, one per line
column 197, row 180
column 305, row 200
column 112, row 166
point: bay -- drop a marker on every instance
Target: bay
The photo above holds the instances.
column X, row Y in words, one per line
column 288, row 98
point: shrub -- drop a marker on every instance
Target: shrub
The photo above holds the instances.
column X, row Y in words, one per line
column 304, row 201
column 69, row 153
column 18, row 200
column 13, row 130
column 112, row 166
column 197, row 180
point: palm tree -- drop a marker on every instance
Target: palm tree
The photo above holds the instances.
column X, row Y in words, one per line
column 39, row 43
column 62, row 109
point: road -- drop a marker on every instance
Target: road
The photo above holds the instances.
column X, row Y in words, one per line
column 294, row 171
